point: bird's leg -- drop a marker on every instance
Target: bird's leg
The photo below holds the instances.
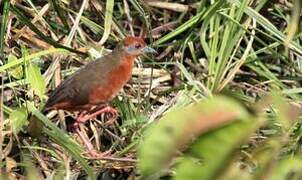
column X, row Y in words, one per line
column 87, row 143
column 90, row 149
column 84, row 117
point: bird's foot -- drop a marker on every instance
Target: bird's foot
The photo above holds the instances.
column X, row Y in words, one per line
column 95, row 154
column 83, row 117
column 88, row 145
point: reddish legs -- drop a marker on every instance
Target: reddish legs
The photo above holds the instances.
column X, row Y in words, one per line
column 82, row 118
column 90, row 149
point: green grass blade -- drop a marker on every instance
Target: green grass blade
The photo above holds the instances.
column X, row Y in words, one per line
column 4, row 20
column 294, row 21
column 32, row 56
column 142, row 15
column 57, row 7
column 266, row 24
column 108, row 20
column 197, row 18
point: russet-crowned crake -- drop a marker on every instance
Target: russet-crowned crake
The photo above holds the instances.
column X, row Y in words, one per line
column 90, row 89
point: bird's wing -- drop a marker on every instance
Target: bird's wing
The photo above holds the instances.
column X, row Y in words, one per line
column 76, row 88
column 65, row 93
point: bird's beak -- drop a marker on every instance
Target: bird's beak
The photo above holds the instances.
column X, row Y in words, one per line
column 148, row 49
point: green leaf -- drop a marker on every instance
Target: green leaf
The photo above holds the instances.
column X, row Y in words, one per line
column 4, row 20
column 16, row 72
column 30, row 57
column 18, row 118
column 35, row 79
column 108, row 20
column 176, row 129
column 211, row 153
column 286, row 168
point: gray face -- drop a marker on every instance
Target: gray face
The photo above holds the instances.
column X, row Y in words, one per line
column 137, row 49
column 134, row 49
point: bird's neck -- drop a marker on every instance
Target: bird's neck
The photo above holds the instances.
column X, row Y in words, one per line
column 129, row 57
column 122, row 55
column 127, row 62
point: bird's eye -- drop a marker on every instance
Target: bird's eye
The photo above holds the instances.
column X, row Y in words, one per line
column 137, row 46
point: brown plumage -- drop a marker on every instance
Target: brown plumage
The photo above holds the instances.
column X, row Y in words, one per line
column 96, row 83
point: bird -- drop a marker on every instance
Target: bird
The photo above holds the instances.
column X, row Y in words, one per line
column 90, row 89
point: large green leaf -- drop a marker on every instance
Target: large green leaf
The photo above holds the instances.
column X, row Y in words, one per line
column 176, row 129
column 211, row 153
column 287, row 167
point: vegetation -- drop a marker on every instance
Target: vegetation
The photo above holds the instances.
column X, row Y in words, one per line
column 221, row 100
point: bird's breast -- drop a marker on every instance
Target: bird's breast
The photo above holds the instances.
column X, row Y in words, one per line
column 115, row 80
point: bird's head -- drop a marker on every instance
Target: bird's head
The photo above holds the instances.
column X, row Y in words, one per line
column 136, row 46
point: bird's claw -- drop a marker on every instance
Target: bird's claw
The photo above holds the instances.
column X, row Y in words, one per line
column 83, row 117
column 112, row 111
column 95, row 154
